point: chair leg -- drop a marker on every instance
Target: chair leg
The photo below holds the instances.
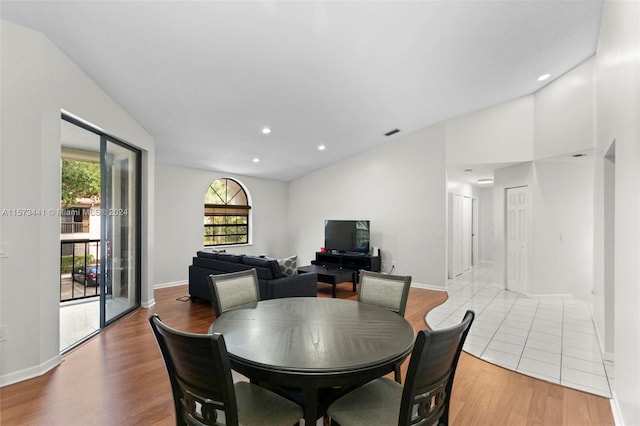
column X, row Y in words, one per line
column 397, row 373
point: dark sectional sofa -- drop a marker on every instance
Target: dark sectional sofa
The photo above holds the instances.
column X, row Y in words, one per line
column 272, row 282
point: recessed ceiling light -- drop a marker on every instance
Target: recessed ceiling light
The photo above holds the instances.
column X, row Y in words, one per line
column 543, row 77
column 321, row 147
column 485, row 181
column 266, row 130
column 256, row 160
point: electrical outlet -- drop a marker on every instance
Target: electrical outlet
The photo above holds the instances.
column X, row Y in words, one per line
column 3, row 333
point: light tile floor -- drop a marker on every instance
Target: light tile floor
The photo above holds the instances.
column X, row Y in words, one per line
column 81, row 319
column 77, row 321
column 546, row 338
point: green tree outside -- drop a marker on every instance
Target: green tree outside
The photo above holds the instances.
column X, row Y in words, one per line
column 80, row 179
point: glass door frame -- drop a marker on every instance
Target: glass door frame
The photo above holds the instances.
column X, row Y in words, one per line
column 104, row 209
column 107, row 208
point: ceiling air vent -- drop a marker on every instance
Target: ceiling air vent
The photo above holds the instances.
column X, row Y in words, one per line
column 391, row 132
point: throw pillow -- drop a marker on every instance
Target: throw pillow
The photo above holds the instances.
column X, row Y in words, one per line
column 289, row 265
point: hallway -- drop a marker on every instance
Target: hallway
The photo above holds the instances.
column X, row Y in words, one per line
column 552, row 339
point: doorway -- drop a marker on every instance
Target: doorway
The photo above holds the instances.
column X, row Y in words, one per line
column 460, row 235
column 99, row 230
column 120, row 242
column 609, row 248
column 475, row 224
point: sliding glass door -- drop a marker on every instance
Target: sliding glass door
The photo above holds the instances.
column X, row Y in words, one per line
column 99, row 230
column 120, row 286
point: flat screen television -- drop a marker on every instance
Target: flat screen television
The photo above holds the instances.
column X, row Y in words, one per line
column 346, row 236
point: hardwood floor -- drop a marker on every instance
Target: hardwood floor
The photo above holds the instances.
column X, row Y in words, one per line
column 118, row 378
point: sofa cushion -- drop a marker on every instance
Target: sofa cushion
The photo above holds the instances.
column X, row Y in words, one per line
column 199, row 280
column 220, row 266
column 289, row 266
column 228, row 257
column 264, row 262
column 207, row 255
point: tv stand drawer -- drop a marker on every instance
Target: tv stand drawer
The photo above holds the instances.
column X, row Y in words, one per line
column 353, row 262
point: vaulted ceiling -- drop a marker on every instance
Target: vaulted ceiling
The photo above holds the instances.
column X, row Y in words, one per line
column 205, row 77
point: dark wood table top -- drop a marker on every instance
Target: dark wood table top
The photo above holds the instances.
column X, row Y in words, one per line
column 314, row 343
column 314, row 335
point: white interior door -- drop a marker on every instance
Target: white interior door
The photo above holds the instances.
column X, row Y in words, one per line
column 460, row 235
column 517, row 199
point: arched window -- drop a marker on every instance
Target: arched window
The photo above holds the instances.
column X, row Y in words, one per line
column 226, row 214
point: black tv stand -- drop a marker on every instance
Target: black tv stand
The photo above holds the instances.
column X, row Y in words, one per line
column 348, row 253
column 349, row 261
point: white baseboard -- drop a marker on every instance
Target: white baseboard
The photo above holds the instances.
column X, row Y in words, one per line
column 170, row 284
column 606, row 356
column 428, row 287
column 615, row 410
column 549, row 296
column 31, row 372
column 148, row 304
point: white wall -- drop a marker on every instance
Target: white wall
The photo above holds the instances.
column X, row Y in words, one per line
column 485, row 228
column 497, row 134
column 562, row 195
column 617, row 78
column 179, row 218
column 38, row 81
column 559, row 240
column 564, row 111
column 399, row 186
column 562, row 221
column 459, row 187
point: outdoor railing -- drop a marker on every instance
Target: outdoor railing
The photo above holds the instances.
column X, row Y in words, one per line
column 73, row 227
column 79, row 269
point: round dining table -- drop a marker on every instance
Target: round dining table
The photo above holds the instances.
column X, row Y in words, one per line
column 314, row 349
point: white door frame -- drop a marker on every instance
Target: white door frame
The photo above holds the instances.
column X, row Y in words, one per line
column 475, row 223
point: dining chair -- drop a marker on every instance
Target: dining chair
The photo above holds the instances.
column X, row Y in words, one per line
column 387, row 291
column 424, row 398
column 203, row 388
column 228, row 291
